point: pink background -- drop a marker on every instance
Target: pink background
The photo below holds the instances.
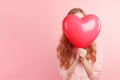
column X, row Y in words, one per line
column 30, row 30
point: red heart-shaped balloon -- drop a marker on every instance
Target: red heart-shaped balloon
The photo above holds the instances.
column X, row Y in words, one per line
column 81, row 32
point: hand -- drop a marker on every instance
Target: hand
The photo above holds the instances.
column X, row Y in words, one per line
column 82, row 53
column 77, row 57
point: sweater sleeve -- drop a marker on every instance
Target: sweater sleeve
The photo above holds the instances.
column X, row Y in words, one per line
column 97, row 66
column 62, row 71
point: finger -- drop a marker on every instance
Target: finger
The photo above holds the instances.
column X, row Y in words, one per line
column 85, row 51
column 81, row 55
column 77, row 55
column 79, row 49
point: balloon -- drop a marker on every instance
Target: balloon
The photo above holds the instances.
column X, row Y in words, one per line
column 81, row 32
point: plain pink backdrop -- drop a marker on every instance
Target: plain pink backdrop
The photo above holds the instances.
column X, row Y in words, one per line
column 30, row 30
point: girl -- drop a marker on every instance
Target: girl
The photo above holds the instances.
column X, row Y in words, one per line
column 78, row 63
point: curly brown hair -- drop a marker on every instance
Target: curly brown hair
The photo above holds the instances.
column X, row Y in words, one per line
column 64, row 48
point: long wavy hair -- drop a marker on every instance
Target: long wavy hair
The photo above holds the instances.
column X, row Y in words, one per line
column 64, row 48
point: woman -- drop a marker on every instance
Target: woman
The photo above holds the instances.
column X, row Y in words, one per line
column 78, row 63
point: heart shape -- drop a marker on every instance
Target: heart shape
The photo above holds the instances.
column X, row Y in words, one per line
column 81, row 32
